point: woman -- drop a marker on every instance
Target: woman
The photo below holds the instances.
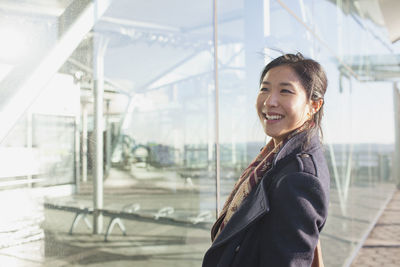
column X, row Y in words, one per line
column 279, row 205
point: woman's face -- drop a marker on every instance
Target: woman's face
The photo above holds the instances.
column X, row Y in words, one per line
column 282, row 103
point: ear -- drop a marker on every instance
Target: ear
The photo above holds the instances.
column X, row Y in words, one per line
column 316, row 105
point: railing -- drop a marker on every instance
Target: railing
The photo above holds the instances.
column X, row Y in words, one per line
column 18, row 167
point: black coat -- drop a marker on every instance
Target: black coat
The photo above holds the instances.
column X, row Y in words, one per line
column 278, row 224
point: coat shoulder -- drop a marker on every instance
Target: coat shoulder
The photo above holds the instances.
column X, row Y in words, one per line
column 310, row 163
column 307, row 164
column 309, row 158
column 314, row 163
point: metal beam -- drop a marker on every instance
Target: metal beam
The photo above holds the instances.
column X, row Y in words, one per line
column 108, row 146
column 77, row 164
column 118, row 88
column 23, row 84
column 84, row 141
column 395, row 164
column 140, row 24
column 216, row 84
column 167, row 71
column 338, row 183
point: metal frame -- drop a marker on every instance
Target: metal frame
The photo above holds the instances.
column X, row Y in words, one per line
column 396, row 107
column 217, row 145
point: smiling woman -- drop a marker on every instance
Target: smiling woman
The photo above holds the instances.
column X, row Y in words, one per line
column 278, row 207
column 282, row 103
column 289, row 96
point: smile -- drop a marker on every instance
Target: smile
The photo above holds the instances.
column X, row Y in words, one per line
column 273, row 117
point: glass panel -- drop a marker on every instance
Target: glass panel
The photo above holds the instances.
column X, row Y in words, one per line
column 159, row 144
column 360, row 156
column 38, row 113
column 358, row 153
column 32, row 52
column 240, row 49
column 53, row 138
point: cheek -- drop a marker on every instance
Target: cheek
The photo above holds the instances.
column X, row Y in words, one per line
column 298, row 109
column 259, row 103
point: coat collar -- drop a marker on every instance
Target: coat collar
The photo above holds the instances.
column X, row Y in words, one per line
column 295, row 145
column 257, row 203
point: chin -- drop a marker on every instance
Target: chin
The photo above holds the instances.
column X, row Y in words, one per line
column 271, row 133
column 275, row 135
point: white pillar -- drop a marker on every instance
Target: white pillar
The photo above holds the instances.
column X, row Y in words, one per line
column 108, row 138
column 217, row 145
column 100, row 45
column 77, row 146
column 84, row 141
column 395, row 163
column 29, row 135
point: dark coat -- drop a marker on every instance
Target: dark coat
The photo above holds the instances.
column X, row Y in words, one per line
column 278, row 224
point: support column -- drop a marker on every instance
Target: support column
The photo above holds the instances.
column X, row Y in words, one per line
column 108, row 138
column 77, row 164
column 84, row 141
column 29, row 136
column 395, row 163
column 100, row 46
column 217, row 145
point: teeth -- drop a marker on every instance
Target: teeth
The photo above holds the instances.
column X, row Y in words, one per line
column 274, row 117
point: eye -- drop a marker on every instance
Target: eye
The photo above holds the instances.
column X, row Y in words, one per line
column 264, row 89
column 286, row 91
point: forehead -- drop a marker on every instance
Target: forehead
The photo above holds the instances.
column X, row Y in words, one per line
column 282, row 74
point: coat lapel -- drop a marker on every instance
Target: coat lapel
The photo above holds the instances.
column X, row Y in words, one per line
column 254, row 206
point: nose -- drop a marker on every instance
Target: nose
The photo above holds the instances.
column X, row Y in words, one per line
column 271, row 101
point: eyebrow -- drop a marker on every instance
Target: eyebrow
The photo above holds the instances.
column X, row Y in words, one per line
column 281, row 84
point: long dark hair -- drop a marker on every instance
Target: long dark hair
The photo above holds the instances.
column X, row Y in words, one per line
column 312, row 77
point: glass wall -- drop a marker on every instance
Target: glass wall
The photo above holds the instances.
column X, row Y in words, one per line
column 358, row 154
column 161, row 54
column 154, row 62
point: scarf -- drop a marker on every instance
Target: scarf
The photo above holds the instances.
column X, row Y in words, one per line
column 249, row 179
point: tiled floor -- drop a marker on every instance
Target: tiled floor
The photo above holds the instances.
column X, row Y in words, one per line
column 382, row 247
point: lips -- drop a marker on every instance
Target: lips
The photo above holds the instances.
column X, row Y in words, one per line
column 273, row 116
